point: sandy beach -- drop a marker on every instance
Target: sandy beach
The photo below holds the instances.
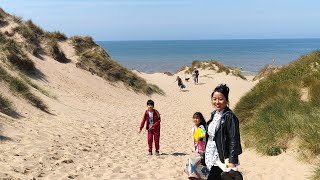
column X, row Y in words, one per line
column 93, row 130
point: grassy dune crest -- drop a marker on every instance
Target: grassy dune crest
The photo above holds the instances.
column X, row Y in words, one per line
column 213, row 65
column 95, row 59
column 282, row 106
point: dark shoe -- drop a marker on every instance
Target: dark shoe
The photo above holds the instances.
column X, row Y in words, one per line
column 150, row 154
column 157, row 153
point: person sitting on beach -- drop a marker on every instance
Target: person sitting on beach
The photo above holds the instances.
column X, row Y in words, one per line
column 223, row 136
column 180, row 84
column 152, row 119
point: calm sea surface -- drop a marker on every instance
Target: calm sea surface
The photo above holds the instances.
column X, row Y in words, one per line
column 251, row 55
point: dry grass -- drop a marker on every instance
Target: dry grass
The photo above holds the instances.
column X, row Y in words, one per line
column 6, row 105
column 17, row 86
column 265, row 71
column 11, row 52
column 55, row 52
column 32, row 43
column 213, row 65
column 56, row 35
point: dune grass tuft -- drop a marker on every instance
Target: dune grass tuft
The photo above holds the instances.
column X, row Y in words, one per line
column 56, row 35
column 28, row 81
column 29, row 31
column 95, row 59
column 273, row 113
column 12, row 53
column 316, row 175
column 6, row 105
column 3, row 14
column 55, row 52
column 17, row 86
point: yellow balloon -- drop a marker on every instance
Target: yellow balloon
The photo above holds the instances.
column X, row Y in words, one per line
column 198, row 134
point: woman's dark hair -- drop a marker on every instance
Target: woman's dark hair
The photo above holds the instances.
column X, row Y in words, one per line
column 200, row 116
column 222, row 88
column 150, row 102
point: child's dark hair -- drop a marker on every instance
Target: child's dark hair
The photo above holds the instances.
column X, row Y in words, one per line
column 222, row 88
column 150, row 102
column 200, row 116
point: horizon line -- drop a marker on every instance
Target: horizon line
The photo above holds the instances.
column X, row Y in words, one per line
column 208, row 39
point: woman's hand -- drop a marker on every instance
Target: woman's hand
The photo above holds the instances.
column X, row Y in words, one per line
column 231, row 165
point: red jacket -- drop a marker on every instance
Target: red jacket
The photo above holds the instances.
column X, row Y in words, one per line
column 156, row 120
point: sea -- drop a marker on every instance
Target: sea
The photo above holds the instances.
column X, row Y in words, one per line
column 250, row 55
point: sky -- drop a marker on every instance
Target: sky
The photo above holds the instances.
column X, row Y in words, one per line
column 121, row 20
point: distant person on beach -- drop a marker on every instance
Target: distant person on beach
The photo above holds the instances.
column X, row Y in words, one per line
column 198, row 133
column 196, row 71
column 223, row 137
column 152, row 120
column 195, row 75
column 180, row 84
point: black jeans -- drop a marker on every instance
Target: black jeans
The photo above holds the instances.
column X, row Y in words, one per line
column 215, row 173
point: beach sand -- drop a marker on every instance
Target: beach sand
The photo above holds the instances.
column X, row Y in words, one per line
column 93, row 130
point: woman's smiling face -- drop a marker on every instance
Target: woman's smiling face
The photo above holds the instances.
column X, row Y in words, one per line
column 219, row 101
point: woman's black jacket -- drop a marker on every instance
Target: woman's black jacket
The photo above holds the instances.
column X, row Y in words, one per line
column 227, row 137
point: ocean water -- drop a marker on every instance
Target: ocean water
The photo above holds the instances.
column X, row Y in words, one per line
column 250, row 55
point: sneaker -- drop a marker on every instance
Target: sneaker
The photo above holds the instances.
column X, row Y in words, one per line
column 150, row 153
column 157, row 153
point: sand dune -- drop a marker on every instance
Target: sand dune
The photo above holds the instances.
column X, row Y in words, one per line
column 93, row 132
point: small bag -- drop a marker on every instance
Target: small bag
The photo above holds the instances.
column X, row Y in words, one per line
column 199, row 134
column 194, row 168
column 231, row 174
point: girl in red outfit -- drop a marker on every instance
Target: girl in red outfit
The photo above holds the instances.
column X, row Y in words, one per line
column 152, row 120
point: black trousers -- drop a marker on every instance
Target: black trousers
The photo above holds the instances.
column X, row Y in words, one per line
column 215, row 173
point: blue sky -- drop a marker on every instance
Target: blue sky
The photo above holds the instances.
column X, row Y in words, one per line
column 173, row 19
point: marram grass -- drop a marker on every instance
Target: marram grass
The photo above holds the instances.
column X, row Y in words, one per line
column 273, row 113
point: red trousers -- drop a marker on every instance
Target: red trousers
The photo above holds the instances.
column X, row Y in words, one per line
column 153, row 134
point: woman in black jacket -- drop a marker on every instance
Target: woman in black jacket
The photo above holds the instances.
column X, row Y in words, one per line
column 223, row 137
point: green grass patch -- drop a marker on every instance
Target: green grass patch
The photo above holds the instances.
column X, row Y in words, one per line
column 17, row 86
column 273, row 113
column 6, row 106
column 95, row 59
